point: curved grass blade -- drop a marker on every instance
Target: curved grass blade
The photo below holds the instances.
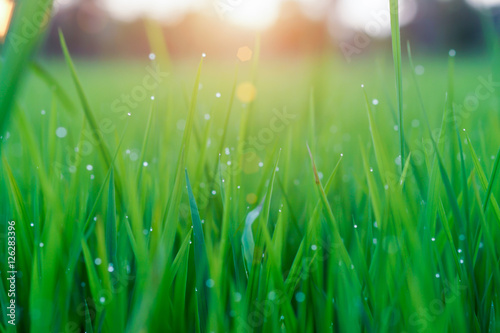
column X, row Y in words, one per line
column 201, row 265
column 396, row 52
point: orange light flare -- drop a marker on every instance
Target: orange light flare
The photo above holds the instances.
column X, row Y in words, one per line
column 6, row 10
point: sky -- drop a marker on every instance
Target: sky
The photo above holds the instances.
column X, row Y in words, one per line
column 259, row 14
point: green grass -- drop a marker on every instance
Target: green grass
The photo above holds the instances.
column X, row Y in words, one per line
column 305, row 210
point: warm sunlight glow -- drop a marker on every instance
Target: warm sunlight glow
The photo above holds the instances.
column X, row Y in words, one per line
column 6, row 10
column 373, row 16
column 256, row 14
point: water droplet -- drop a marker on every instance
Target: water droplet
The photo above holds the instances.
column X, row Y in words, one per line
column 41, row 244
column 207, row 116
column 61, row 132
column 261, row 164
column 300, row 297
column 419, row 70
column 218, row 95
column 152, row 56
column 452, row 53
column 145, row 164
column 375, row 101
column 314, row 247
column 97, row 261
column 102, row 299
column 90, row 167
column 210, row 283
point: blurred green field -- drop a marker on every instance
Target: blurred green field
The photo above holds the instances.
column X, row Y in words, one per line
column 263, row 196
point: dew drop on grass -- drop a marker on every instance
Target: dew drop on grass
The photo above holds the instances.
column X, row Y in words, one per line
column 374, row 241
column 419, row 70
column 461, row 237
column 218, row 95
column 72, row 169
column 261, row 164
column 152, row 98
column 92, row 177
column 102, row 299
column 355, row 226
column 300, row 297
column 152, row 56
column 437, row 275
column 237, row 297
column 90, row 167
column 433, row 239
column 204, row 55
column 396, row 128
column 41, row 244
column 32, row 224
column 461, row 261
column 397, row 160
column 214, row 192
column 210, row 283
column 145, row 163
column 61, row 132
column 415, row 123
column 228, row 162
column 181, row 124
column 111, row 268
column 452, row 53
column 97, row 261
column 375, row 101
column 207, row 116
column 314, row 247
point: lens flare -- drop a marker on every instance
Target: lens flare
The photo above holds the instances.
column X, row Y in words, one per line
column 6, row 10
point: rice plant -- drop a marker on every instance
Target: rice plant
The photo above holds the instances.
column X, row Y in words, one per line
column 220, row 202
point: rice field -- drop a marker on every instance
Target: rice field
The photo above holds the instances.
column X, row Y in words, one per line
column 264, row 195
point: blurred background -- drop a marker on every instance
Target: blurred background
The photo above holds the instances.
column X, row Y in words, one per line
column 293, row 27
